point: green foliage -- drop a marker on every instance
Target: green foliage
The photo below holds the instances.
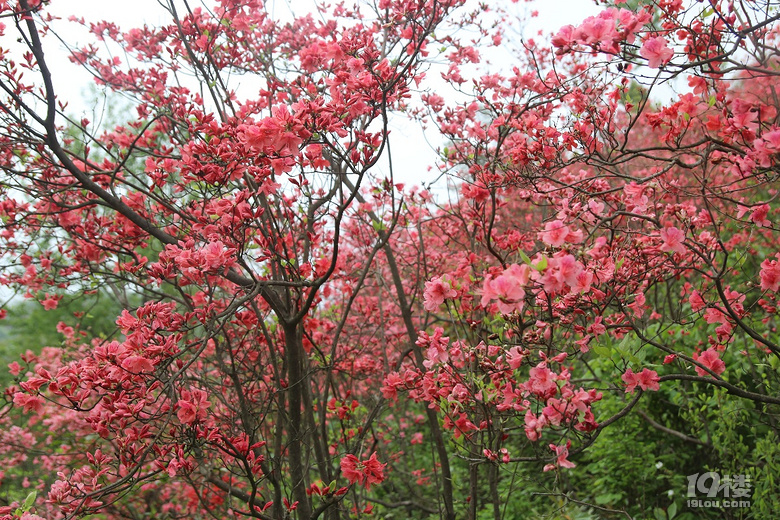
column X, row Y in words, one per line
column 29, row 326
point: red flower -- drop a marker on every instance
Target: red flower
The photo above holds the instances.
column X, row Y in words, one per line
column 710, row 359
column 369, row 471
column 50, row 302
column 647, row 380
column 137, row 365
column 374, row 471
column 350, row 469
column 30, row 403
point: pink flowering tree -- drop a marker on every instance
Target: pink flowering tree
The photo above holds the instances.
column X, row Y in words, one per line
column 616, row 243
column 302, row 337
column 238, row 228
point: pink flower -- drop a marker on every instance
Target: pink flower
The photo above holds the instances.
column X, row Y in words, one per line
column 533, row 425
column 572, row 272
column 556, row 233
column 638, row 306
column 390, row 387
column 50, row 302
column 647, row 380
column 515, row 357
column 758, row 216
column 596, row 30
column 564, row 269
column 581, row 283
column 562, row 454
column 656, row 51
column 673, row 240
column 770, row 274
column 349, row 468
column 712, row 315
column 565, row 39
column 30, row 403
column 436, row 291
column 438, row 347
column 541, row 381
column 507, row 288
column 137, row 365
column 602, row 32
column 597, row 328
column 29, row 516
column 635, row 199
column 263, row 136
column 14, row 368
column 710, row 359
column 773, row 139
column 63, row 329
column 373, row 470
column 192, row 406
column 216, row 256
column 696, row 301
column 369, row 471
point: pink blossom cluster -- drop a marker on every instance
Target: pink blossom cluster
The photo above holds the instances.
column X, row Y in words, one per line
column 447, row 389
column 436, row 291
column 564, row 274
column 556, row 233
column 710, row 358
column 506, row 289
column 192, row 406
column 770, row 274
column 561, row 457
column 279, row 134
column 193, row 262
column 656, row 51
column 646, row 380
column 603, row 32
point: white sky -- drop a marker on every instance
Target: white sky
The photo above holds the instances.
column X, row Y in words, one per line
column 412, row 149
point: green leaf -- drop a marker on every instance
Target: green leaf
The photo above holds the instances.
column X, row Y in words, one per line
column 524, row 257
column 541, row 265
column 378, row 225
column 29, row 501
column 607, row 498
column 671, row 512
column 623, row 346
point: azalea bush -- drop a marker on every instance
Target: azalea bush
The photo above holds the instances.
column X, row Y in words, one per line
column 301, row 335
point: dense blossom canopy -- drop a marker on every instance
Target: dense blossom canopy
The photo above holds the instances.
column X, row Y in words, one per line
column 303, row 336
